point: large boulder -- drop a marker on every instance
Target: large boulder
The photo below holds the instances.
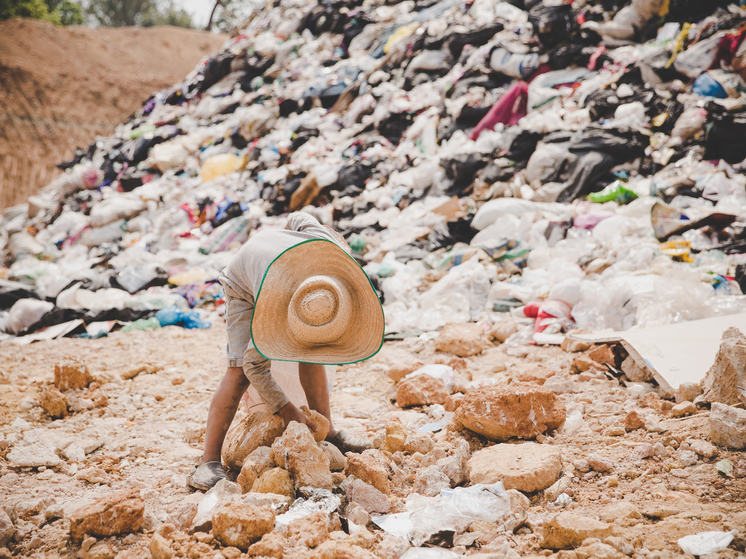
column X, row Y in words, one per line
column 421, row 390
column 728, row 426
column 368, row 467
column 518, row 410
column 527, row 467
column 462, row 339
column 253, row 431
column 725, row 382
column 298, row 452
column 71, row 374
column 241, row 524
column 120, row 512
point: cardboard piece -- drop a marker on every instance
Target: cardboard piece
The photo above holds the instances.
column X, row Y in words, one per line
column 675, row 353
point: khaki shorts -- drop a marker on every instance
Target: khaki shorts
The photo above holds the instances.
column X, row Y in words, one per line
column 238, row 313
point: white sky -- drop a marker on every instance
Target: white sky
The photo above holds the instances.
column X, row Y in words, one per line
column 198, row 9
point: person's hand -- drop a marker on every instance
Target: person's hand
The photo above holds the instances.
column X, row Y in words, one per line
column 291, row 413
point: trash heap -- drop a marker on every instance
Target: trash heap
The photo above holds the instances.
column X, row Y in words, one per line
column 578, row 165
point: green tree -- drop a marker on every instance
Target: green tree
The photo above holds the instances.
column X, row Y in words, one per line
column 119, row 13
column 59, row 12
column 167, row 15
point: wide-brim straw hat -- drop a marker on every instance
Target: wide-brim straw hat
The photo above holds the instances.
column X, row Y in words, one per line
column 317, row 305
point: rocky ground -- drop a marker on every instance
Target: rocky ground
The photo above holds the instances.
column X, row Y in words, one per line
column 611, row 470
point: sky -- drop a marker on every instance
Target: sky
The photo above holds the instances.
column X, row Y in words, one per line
column 198, row 9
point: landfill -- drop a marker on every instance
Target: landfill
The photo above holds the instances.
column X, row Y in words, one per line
column 514, row 177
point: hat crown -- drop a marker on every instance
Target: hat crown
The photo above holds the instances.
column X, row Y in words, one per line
column 320, row 310
column 318, row 307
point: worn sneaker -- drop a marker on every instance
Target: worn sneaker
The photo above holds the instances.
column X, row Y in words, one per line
column 206, row 476
column 349, row 443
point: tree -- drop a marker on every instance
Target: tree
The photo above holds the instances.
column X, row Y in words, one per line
column 119, row 13
column 227, row 14
column 59, row 12
column 168, row 15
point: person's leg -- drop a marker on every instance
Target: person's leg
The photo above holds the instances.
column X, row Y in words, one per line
column 314, row 383
column 222, row 411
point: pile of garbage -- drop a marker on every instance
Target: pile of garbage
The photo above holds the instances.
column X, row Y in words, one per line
column 575, row 164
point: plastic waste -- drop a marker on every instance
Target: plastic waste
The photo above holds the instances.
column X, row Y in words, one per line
column 221, row 164
column 617, row 191
column 26, row 312
column 234, row 232
column 317, row 500
column 452, row 510
column 429, row 553
column 706, row 542
column 514, row 65
column 151, row 323
column 176, row 316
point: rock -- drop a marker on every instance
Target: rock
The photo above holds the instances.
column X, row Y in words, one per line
column 278, row 503
column 621, row 509
column 93, row 474
column 396, row 436
column 275, row 481
column 455, row 465
column 53, row 402
column 574, row 346
column 634, row 420
column 703, row 448
column 518, row 410
column 583, row 363
column 356, row 513
column 160, row 548
column 311, row 530
column 298, row 452
column 519, row 505
column 119, row 512
column 182, row 516
column 33, row 456
column 333, row 549
column 420, row 390
column 560, row 384
column 727, row 426
column 568, row 530
column 368, row 468
column 634, row 372
column 367, row 496
column 401, row 369
column 454, row 401
column 247, row 476
column 687, row 392
column 337, row 460
column 527, row 467
column 598, row 550
column 7, row 529
column 253, row 431
column 430, row 481
column 537, row 375
column 641, row 452
column 462, row 339
column 503, row 329
column 683, row 409
column 739, row 469
column 582, row 465
column 621, row 545
column 553, row 492
column 319, row 421
column 726, row 379
column 241, row 524
column 600, row 464
column 669, row 503
column 71, row 374
column 601, row 354
column 418, row 442
column 271, row 545
column 687, row 458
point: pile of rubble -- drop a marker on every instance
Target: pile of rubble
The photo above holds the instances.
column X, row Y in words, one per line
column 580, row 159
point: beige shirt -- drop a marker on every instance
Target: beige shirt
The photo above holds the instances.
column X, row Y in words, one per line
column 243, row 277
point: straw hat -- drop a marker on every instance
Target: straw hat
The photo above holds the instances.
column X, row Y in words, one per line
column 316, row 305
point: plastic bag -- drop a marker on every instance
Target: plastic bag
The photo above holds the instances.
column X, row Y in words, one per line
column 707, row 86
column 706, row 542
column 616, row 191
column 699, row 57
column 319, row 500
column 25, row 313
column 151, row 323
column 452, row 510
column 176, row 316
column 221, row 164
column 235, row 231
column 689, row 123
column 514, row 65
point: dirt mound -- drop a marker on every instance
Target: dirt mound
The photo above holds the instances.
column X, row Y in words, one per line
column 64, row 86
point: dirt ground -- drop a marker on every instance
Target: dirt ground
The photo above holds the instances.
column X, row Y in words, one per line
column 63, row 86
column 146, row 435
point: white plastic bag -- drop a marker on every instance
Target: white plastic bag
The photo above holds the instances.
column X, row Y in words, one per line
column 706, row 542
column 699, row 57
column 26, row 312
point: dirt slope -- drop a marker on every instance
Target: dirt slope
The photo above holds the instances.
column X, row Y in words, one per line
column 61, row 87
